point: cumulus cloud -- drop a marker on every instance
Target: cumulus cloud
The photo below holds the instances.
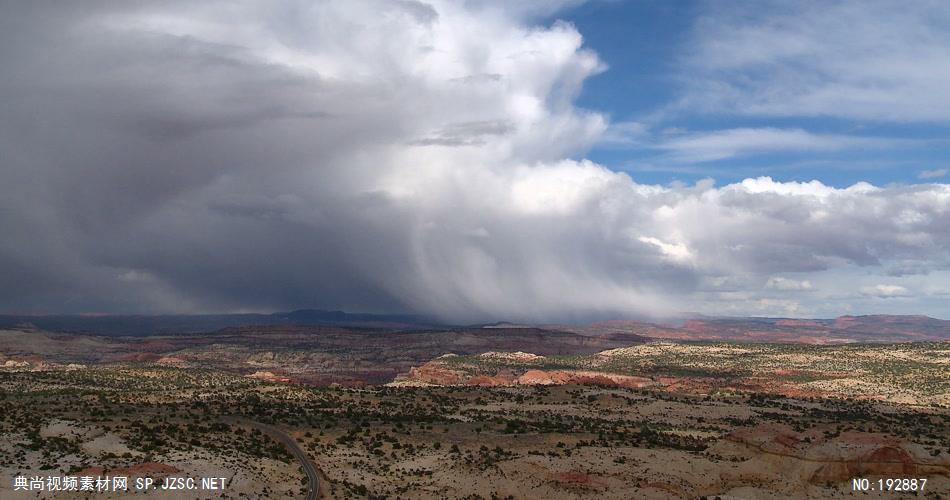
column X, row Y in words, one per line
column 377, row 155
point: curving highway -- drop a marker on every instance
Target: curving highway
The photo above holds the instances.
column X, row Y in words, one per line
column 290, row 443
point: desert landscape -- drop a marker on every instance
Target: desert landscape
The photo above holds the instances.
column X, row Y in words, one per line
column 396, row 412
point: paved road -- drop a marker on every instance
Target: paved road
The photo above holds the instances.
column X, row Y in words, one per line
column 291, row 444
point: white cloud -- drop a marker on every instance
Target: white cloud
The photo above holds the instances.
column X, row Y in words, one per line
column 786, row 284
column 853, row 59
column 932, row 174
column 885, row 291
column 729, row 143
column 677, row 252
column 625, row 135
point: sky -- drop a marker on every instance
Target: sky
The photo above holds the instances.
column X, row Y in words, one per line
column 842, row 92
column 476, row 160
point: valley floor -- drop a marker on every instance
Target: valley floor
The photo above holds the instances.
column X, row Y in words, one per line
column 559, row 441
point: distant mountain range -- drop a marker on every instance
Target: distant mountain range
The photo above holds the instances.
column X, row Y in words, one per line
column 872, row 328
column 143, row 325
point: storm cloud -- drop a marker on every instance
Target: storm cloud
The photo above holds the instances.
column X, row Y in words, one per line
column 390, row 156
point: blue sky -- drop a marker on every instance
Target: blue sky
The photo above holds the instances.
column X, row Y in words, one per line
column 649, row 48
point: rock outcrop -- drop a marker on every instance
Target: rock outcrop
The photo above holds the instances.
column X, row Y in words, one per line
column 845, row 456
column 438, row 373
